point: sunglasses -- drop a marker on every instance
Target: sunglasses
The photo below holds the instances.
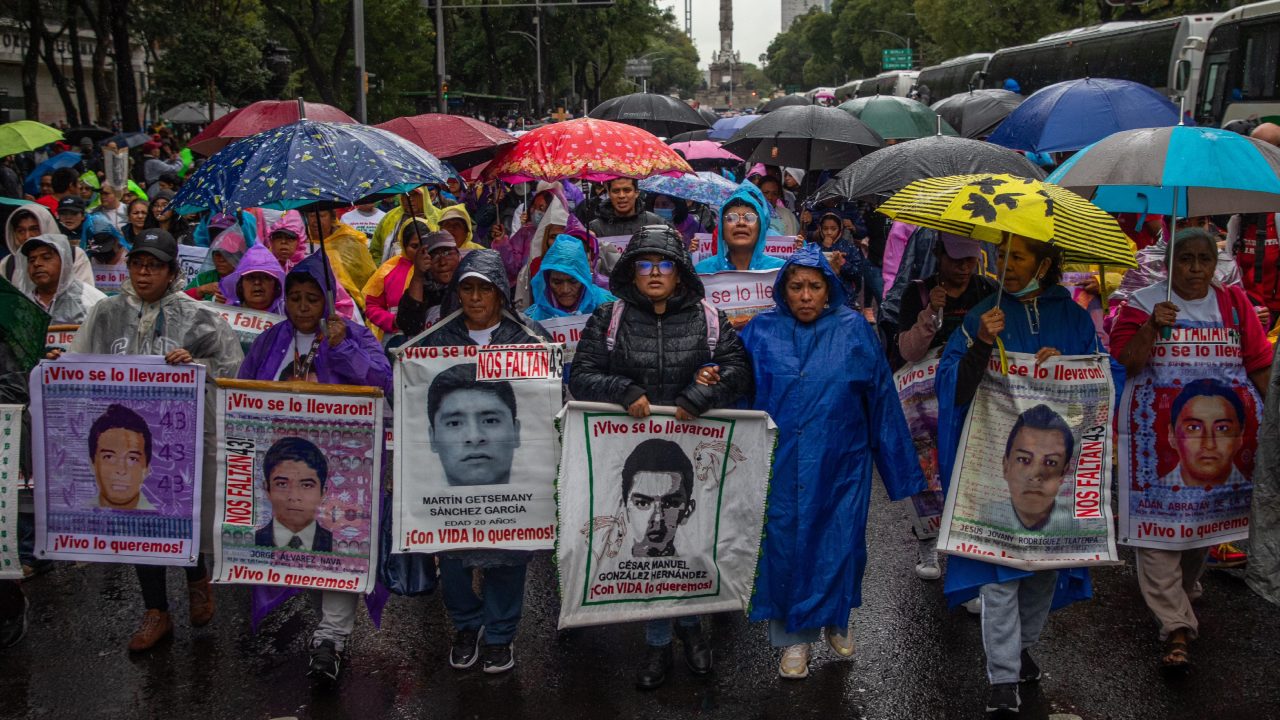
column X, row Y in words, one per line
column 748, row 218
column 645, row 267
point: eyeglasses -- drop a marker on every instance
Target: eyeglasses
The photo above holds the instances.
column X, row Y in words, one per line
column 443, row 252
column 748, row 218
column 645, row 267
column 147, row 267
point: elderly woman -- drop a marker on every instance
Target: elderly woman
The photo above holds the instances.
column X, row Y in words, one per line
column 1034, row 315
column 1169, row 579
column 818, row 365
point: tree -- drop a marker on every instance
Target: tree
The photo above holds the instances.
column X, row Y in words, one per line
column 126, row 85
column 322, row 34
column 675, row 61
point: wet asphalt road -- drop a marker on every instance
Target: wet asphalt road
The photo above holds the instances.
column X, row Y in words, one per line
column 915, row 659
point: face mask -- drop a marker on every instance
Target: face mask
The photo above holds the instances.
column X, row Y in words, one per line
column 1031, row 287
column 665, row 213
column 535, row 217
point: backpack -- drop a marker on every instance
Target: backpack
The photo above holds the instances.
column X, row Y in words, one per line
column 709, row 313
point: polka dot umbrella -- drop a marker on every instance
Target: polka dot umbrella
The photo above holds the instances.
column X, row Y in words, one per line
column 587, row 149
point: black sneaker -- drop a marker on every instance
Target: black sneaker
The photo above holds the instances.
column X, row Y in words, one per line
column 326, row 662
column 13, row 626
column 1030, row 670
column 655, row 668
column 1004, row 699
column 498, row 658
column 465, row 650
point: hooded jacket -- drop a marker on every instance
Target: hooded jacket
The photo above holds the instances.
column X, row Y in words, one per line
column 383, row 244
column 513, row 329
column 568, row 256
column 657, row 356
column 257, row 259
column 829, row 388
column 73, row 299
column 608, row 223
column 357, row 360
column 14, row 267
column 518, row 249
column 751, row 195
column 459, row 212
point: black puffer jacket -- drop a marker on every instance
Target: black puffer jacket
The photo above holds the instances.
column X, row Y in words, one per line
column 658, row 355
column 608, row 224
column 513, row 329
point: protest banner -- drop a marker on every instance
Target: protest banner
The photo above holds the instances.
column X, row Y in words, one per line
column 740, row 293
column 247, row 324
column 60, row 336
column 705, row 248
column 1031, row 486
column 920, row 406
column 10, row 449
column 619, row 241
column 109, row 278
column 566, row 331
column 117, row 444
column 298, row 487
column 1188, row 441
column 476, row 447
column 191, row 258
column 780, row 246
column 659, row 517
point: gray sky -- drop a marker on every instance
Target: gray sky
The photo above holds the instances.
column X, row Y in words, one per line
column 755, row 23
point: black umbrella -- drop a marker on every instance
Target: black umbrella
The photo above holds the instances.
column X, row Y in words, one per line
column 709, row 115
column 976, row 113
column 784, row 101
column 661, row 115
column 688, row 136
column 810, row 138
column 93, row 132
column 886, row 171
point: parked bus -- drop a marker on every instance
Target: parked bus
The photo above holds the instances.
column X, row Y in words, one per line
column 1239, row 76
column 847, row 91
column 951, row 77
column 1144, row 52
column 894, row 82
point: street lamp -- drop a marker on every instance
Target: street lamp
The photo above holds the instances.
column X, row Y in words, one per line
column 537, row 53
column 905, row 41
column 644, row 79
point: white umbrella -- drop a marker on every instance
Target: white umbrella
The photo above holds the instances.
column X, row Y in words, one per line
column 194, row 113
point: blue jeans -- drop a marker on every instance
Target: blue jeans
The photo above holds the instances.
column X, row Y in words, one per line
column 498, row 612
column 779, row 637
column 657, row 633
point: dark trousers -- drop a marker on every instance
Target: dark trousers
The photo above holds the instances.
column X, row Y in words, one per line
column 498, row 611
column 151, row 579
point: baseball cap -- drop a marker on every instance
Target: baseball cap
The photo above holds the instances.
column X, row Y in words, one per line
column 71, row 204
column 436, row 240
column 157, row 243
column 959, row 248
column 474, row 274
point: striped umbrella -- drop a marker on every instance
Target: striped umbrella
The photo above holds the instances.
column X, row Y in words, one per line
column 992, row 207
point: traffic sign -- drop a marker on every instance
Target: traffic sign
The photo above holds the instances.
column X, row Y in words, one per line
column 896, row 59
column 638, row 68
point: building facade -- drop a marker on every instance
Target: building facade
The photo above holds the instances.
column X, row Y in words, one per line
column 792, row 9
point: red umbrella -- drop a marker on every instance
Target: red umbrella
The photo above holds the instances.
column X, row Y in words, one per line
column 587, row 149
column 260, row 116
column 462, row 141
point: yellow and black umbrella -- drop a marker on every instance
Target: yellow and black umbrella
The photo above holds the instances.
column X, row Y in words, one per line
column 990, row 208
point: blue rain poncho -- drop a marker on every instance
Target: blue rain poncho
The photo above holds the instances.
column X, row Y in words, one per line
column 567, row 255
column 759, row 261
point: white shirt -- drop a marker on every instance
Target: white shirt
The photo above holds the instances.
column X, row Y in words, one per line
column 282, row 535
column 365, row 222
column 482, row 337
column 1191, row 313
column 302, row 343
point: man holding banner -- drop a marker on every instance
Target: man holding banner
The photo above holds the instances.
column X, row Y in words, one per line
column 1198, row 364
column 661, row 343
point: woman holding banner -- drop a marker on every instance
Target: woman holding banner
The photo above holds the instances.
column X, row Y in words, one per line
column 661, row 343
column 818, row 365
column 312, row 345
column 1036, row 316
column 1207, row 426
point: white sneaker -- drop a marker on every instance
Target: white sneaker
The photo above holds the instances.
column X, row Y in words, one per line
column 974, row 606
column 927, row 560
column 841, row 639
column 795, row 662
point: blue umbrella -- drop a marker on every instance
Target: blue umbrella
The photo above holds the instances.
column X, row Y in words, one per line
column 1074, row 114
column 705, row 187
column 308, row 164
column 61, row 160
column 726, row 128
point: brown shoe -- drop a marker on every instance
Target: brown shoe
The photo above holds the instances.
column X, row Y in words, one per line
column 155, row 627
column 200, row 598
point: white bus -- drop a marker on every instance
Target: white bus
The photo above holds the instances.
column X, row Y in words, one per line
column 1239, row 78
column 951, row 77
column 847, row 91
column 894, row 82
column 1144, row 52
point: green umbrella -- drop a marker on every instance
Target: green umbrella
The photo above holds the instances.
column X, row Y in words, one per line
column 25, row 136
column 897, row 118
column 25, row 329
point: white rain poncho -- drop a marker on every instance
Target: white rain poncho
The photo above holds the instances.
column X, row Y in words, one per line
column 73, row 299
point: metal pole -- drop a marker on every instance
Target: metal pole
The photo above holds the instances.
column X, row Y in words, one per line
column 537, row 51
column 357, row 21
column 441, row 106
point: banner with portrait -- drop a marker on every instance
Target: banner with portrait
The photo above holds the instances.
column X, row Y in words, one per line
column 109, row 278
column 740, row 293
column 247, row 324
column 1031, row 486
column 920, row 406
column 60, row 336
column 1188, row 441
column 299, row 470
column 117, row 443
column 476, row 447
column 10, row 481
column 659, row 517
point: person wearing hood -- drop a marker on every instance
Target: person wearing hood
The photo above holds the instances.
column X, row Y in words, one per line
column 622, row 215
column 256, row 283
column 818, row 364
column 151, row 316
column 564, row 284
column 792, row 178
column 661, row 355
column 26, row 222
column 859, row 278
column 51, row 282
column 313, row 346
column 348, row 258
column 103, row 241
column 433, row 269
column 225, row 253
column 456, row 221
column 1035, row 315
column 516, row 250
column 385, row 288
column 413, row 204
column 744, row 224
column 286, row 239
column 478, row 303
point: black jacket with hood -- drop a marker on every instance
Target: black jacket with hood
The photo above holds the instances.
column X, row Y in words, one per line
column 658, row 355
column 608, row 224
column 513, row 328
